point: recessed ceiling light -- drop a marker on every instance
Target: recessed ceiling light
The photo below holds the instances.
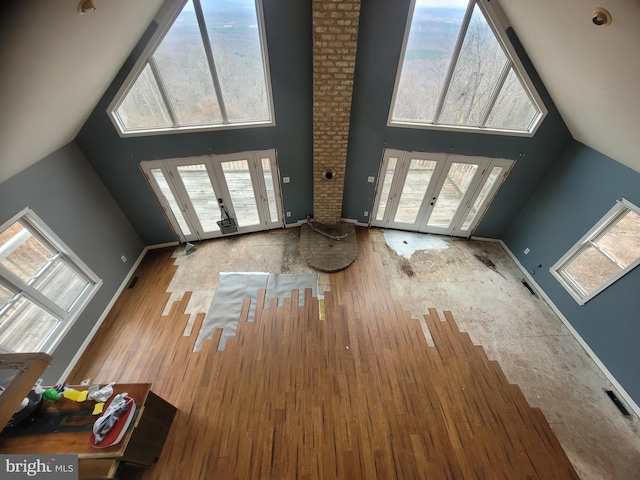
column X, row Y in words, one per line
column 86, row 6
column 601, row 17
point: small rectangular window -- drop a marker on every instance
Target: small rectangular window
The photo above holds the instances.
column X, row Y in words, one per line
column 43, row 286
column 605, row 254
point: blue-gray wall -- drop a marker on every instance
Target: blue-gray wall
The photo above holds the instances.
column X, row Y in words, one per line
column 575, row 195
column 288, row 31
column 382, row 26
column 65, row 192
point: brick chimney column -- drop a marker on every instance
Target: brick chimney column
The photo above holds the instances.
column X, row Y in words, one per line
column 335, row 39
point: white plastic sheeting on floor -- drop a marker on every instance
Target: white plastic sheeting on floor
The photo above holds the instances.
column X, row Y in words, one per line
column 234, row 287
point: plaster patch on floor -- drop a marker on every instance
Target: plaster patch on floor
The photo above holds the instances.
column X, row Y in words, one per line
column 407, row 243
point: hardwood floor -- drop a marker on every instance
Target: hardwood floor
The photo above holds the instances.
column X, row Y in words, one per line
column 358, row 395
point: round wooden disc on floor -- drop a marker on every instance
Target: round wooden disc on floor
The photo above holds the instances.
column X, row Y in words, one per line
column 327, row 254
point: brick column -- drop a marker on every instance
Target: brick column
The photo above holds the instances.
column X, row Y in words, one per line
column 335, row 38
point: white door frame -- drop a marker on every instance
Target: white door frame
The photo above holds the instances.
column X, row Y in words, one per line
column 433, row 189
column 213, row 164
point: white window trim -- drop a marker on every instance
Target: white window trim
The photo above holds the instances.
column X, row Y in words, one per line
column 498, row 23
column 165, row 19
column 50, row 344
column 557, row 270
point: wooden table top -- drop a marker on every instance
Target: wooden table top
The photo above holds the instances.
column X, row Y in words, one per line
column 75, row 442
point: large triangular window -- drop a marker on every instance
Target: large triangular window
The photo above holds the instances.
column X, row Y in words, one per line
column 208, row 71
column 458, row 71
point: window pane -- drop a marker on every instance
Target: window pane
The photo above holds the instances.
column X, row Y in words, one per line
column 41, row 267
column 386, row 187
column 622, row 241
column 185, row 72
column 170, row 199
column 432, row 38
column 5, row 296
column 513, row 108
column 591, row 269
column 143, row 107
column 478, row 69
column 271, row 194
column 234, row 34
column 23, row 325
column 60, row 283
column 454, row 188
column 22, row 253
column 414, row 189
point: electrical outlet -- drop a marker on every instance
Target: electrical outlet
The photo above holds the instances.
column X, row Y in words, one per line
column 526, row 251
column 288, row 214
column 366, row 214
column 286, row 179
column 371, row 179
column 123, row 258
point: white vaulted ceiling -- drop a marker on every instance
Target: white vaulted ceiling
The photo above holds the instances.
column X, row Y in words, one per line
column 55, row 65
column 591, row 72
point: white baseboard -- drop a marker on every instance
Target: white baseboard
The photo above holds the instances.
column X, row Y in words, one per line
column 619, row 389
column 355, row 222
column 106, row 311
column 160, row 245
column 299, row 223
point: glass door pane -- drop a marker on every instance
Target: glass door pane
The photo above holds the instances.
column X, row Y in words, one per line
column 456, row 183
column 170, row 199
column 270, row 185
column 413, row 191
column 478, row 205
column 386, row 188
column 240, row 187
column 201, row 194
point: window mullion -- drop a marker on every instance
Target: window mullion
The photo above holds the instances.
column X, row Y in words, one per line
column 163, row 91
column 46, row 267
column 454, row 60
column 496, row 92
column 609, row 257
column 212, row 64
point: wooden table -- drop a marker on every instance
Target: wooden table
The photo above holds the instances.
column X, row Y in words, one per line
column 140, row 446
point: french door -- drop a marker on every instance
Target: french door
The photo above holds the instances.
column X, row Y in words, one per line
column 193, row 190
column 435, row 193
